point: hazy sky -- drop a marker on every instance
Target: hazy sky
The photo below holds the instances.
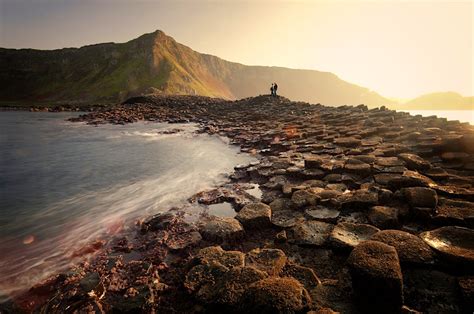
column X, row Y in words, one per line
column 397, row 48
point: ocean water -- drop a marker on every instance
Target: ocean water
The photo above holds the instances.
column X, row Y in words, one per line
column 460, row 115
column 64, row 185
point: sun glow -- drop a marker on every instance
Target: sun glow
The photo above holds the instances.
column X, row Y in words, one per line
column 397, row 48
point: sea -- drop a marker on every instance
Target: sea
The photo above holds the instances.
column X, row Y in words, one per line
column 65, row 185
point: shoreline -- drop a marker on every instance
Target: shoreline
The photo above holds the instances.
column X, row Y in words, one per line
column 98, row 107
column 156, row 133
column 331, row 179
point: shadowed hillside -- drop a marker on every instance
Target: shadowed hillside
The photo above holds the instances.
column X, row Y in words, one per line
column 156, row 63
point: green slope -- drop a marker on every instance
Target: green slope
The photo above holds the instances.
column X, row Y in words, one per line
column 156, row 63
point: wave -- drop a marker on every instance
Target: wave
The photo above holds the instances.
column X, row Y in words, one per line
column 67, row 231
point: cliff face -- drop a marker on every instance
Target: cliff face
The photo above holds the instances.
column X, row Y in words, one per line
column 156, row 63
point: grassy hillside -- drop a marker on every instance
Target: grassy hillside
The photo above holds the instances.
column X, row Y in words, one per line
column 157, row 63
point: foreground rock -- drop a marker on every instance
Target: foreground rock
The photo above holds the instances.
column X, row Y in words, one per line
column 376, row 277
column 271, row 261
column 221, row 279
column 455, row 212
column 276, row 295
column 414, row 162
column 421, row 197
column 220, row 230
column 216, row 284
column 454, row 243
column 410, row 248
column 331, row 176
column 384, row 217
column 310, row 232
column 346, row 235
column 215, row 254
column 255, row 216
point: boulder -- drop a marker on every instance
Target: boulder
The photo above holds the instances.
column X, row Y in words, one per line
column 161, row 221
column 347, row 141
column 410, row 248
column 335, row 294
column 409, row 179
column 269, row 196
column 389, row 162
column 270, row 261
column 201, row 278
column 312, row 162
column 230, row 288
column 455, row 192
column 456, row 212
column 215, row 254
column 361, row 169
column 333, row 178
column 304, row 275
column 281, row 204
column 276, row 182
column 346, row 235
column 420, row 197
column 303, row 198
column 312, row 174
column 314, row 183
column 255, row 216
column 276, row 295
column 219, row 229
column 182, row 240
column 376, row 277
column 322, row 213
column 454, row 156
column 326, row 194
column 214, row 283
column 454, row 243
column 310, row 232
column 383, row 217
column 286, row 218
column 358, row 199
column 414, row 162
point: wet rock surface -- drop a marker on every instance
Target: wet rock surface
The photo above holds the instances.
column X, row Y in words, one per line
column 255, row 216
column 346, row 235
column 219, row 230
column 309, row 237
column 455, row 243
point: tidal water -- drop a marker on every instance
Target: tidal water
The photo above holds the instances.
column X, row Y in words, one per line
column 65, row 185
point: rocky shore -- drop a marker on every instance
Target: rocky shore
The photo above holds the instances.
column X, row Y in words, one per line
column 347, row 210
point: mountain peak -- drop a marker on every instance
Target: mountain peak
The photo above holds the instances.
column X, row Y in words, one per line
column 156, row 62
column 159, row 33
column 157, row 36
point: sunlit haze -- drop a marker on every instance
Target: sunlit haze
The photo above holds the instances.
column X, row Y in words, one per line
column 397, row 48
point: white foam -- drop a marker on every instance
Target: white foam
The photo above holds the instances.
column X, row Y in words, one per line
column 111, row 209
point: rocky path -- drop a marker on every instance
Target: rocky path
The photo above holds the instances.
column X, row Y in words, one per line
column 361, row 211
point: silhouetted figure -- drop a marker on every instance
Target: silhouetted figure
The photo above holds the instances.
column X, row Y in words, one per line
column 275, row 88
column 272, row 90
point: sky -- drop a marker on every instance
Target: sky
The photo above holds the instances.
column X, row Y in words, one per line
column 397, row 48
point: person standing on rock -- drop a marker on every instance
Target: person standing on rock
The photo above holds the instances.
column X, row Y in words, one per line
column 275, row 87
column 272, row 90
